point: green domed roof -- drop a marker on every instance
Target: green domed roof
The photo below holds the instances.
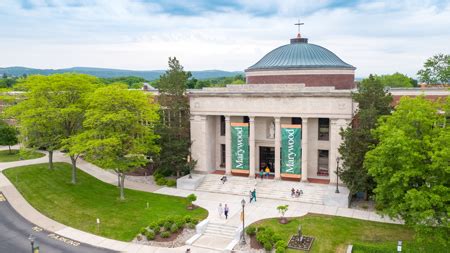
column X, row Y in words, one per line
column 300, row 55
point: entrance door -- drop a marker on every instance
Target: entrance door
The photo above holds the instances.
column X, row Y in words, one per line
column 267, row 158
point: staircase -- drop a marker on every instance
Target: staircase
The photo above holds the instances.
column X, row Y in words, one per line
column 267, row 188
column 221, row 230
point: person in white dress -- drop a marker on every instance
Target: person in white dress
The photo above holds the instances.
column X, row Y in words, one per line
column 220, row 210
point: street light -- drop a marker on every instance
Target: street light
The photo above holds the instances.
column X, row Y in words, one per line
column 243, row 222
column 31, row 239
column 337, row 174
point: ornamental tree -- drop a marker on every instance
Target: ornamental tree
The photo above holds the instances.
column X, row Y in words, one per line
column 8, row 135
column 373, row 101
column 410, row 165
column 118, row 130
column 53, row 111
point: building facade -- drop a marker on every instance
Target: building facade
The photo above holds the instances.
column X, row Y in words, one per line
column 286, row 119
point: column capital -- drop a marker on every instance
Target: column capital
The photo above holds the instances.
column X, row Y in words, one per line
column 251, row 118
column 227, row 117
column 305, row 120
column 277, row 119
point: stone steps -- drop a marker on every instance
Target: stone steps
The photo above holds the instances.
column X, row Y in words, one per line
column 272, row 189
column 215, row 229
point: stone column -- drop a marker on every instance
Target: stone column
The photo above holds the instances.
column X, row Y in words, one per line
column 227, row 145
column 252, row 146
column 277, row 148
column 305, row 149
column 335, row 142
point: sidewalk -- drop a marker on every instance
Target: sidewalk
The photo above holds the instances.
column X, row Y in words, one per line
column 262, row 209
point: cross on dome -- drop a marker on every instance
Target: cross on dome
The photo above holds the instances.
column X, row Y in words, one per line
column 299, row 24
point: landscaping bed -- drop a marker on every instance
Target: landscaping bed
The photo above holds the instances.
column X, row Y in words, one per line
column 333, row 234
column 15, row 155
column 78, row 206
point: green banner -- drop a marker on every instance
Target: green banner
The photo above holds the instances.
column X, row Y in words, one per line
column 239, row 146
column 291, row 153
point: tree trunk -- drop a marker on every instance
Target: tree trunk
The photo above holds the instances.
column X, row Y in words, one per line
column 122, row 185
column 9, row 149
column 366, row 196
column 74, row 169
column 50, row 159
column 118, row 178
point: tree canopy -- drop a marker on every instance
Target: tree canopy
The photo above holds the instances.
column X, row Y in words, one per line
column 410, row 165
column 119, row 130
column 436, row 70
column 8, row 135
column 373, row 102
column 396, row 80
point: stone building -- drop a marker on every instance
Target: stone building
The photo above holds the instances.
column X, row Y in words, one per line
column 287, row 118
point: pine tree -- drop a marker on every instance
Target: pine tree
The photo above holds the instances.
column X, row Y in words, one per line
column 174, row 123
column 357, row 140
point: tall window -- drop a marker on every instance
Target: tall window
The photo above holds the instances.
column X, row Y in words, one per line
column 246, row 119
column 222, row 155
column 222, row 125
column 324, row 129
column 296, row 121
column 322, row 166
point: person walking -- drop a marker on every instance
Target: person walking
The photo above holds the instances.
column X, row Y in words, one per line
column 254, row 194
column 251, row 196
column 220, row 210
column 226, row 210
column 261, row 174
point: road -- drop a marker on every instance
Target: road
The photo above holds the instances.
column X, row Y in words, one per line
column 15, row 230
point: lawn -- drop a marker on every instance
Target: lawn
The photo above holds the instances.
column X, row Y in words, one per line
column 78, row 206
column 6, row 156
column 333, row 234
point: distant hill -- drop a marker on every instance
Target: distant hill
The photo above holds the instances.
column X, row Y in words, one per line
column 101, row 72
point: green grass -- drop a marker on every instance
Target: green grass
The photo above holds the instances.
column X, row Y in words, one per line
column 333, row 234
column 6, row 156
column 78, row 206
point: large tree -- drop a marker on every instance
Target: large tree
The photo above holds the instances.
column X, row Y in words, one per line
column 118, row 131
column 373, row 102
column 411, row 165
column 436, row 70
column 8, row 135
column 396, row 80
column 52, row 110
column 174, row 123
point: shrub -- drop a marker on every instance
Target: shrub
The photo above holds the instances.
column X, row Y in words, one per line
column 267, row 246
column 280, row 250
column 260, row 229
column 281, row 244
column 161, row 222
column 167, row 225
column 150, row 234
column 171, row 183
column 187, row 218
column 180, row 222
column 165, row 234
column 190, row 225
column 142, row 231
column 250, row 230
column 155, row 227
column 194, row 221
column 174, row 228
column 161, row 181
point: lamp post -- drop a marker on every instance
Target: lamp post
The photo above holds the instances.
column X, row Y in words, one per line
column 337, row 174
column 243, row 222
column 31, row 239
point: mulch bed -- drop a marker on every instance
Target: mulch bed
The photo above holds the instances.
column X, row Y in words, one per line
column 254, row 244
column 172, row 237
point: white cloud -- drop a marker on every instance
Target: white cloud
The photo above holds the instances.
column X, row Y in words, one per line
column 376, row 37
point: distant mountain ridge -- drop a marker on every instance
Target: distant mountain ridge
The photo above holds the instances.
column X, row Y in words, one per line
column 107, row 73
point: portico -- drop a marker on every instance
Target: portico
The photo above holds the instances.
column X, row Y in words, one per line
column 266, row 109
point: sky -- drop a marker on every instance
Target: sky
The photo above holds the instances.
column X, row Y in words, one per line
column 379, row 37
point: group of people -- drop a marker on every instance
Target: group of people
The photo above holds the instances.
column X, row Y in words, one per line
column 263, row 172
column 223, row 210
column 296, row 193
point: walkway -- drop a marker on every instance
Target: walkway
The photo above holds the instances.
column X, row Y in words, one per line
column 262, row 209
